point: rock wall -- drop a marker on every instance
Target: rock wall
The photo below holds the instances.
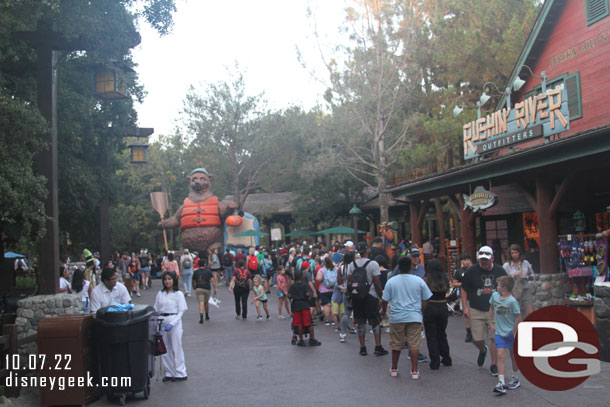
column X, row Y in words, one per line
column 32, row 309
column 602, row 314
column 551, row 289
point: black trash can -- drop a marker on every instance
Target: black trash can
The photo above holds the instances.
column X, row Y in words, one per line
column 125, row 341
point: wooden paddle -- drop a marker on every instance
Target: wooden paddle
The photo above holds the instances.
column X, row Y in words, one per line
column 160, row 204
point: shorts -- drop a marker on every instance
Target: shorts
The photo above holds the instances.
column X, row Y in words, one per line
column 262, row 301
column 338, row 308
column 301, row 318
column 136, row 275
column 412, row 331
column 367, row 309
column 480, row 326
column 145, row 270
column 203, row 295
column 325, row 298
column 504, row 342
column 527, row 299
column 280, row 294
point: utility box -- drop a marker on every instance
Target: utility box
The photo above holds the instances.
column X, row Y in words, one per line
column 67, row 351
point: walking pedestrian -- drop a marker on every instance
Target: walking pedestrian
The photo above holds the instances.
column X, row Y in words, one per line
column 505, row 315
column 436, row 315
column 458, row 276
column 215, row 266
column 170, row 304
column 203, row 281
column 300, row 293
column 327, row 279
column 282, row 293
column 364, row 287
column 186, row 267
column 240, row 287
column 407, row 296
column 478, row 284
column 522, row 273
column 260, row 297
column 228, row 264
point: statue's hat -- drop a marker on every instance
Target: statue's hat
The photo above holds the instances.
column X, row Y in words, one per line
column 202, row 170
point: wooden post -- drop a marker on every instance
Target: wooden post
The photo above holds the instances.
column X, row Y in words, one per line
column 417, row 211
column 441, row 225
column 467, row 219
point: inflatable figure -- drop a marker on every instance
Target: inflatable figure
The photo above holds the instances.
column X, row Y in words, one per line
column 200, row 216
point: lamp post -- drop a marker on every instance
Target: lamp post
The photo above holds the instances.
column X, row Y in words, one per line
column 355, row 212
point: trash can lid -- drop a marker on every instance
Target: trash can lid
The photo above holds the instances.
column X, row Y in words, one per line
column 138, row 313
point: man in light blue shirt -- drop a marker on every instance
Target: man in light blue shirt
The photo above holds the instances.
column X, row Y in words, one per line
column 408, row 296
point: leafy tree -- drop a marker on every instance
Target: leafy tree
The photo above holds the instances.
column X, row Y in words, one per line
column 224, row 123
column 367, row 94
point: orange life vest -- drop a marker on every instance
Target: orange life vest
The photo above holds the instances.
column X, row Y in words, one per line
column 199, row 214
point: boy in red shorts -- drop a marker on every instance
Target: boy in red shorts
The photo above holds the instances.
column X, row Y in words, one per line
column 300, row 293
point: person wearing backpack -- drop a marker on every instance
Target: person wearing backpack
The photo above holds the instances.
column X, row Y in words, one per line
column 327, row 277
column 364, row 289
column 227, row 262
column 186, row 266
column 240, row 287
column 252, row 264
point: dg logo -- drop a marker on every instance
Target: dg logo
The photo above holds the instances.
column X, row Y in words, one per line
column 557, row 348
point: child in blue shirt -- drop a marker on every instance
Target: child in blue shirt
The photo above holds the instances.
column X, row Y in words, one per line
column 505, row 314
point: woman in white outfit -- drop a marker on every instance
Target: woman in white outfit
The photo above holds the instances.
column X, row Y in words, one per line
column 170, row 303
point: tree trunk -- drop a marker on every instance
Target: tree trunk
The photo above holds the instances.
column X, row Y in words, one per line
column 417, row 211
column 467, row 219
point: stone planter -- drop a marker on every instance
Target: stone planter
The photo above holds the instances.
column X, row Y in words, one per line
column 602, row 313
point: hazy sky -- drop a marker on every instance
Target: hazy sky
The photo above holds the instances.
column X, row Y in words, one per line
column 210, row 36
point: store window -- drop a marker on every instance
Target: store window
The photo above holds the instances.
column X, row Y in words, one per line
column 596, row 10
column 569, row 82
column 496, row 232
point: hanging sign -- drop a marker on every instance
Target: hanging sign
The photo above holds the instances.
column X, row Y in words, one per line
column 276, row 234
column 538, row 115
column 480, row 199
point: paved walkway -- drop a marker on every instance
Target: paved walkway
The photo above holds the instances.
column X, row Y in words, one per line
column 250, row 363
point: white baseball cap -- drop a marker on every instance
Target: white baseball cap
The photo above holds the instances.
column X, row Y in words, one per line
column 349, row 243
column 485, row 252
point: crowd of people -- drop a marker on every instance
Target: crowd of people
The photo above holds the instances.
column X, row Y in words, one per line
column 346, row 287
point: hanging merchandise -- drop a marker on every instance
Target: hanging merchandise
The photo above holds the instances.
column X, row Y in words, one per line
column 579, row 258
column 601, row 255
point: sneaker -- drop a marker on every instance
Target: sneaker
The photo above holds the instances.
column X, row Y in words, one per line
column 468, row 337
column 327, row 323
column 332, row 323
column 481, row 358
column 314, row 342
column 201, row 320
column 281, row 317
column 237, row 317
column 268, row 317
column 353, row 331
column 379, row 351
column 363, row 352
column 259, row 317
column 493, row 370
column 207, row 317
column 422, row 358
column 138, row 294
column 301, row 343
column 337, row 330
column 500, row 388
column 513, row 384
column 415, row 375
column 393, row 372
column 342, row 338
column 293, row 341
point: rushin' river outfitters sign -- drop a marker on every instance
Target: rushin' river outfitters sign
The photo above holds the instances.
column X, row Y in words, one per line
column 480, row 199
column 539, row 115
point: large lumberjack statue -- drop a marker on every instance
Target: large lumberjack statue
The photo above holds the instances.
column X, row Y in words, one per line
column 200, row 216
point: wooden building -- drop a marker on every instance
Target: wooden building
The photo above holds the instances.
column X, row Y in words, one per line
column 545, row 151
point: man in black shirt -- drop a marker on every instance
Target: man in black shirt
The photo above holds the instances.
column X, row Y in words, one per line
column 203, row 281
column 458, row 275
column 478, row 284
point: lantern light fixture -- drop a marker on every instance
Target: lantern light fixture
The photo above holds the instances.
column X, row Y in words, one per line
column 518, row 82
